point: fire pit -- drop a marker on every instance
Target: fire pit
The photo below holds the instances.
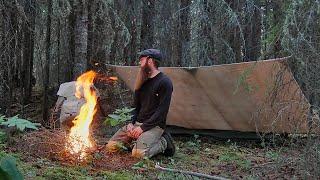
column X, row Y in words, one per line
column 77, row 146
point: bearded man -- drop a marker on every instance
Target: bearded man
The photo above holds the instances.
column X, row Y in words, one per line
column 152, row 96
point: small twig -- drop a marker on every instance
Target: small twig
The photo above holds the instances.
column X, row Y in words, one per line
column 157, row 166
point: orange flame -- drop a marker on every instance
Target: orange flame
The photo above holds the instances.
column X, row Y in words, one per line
column 79, row 138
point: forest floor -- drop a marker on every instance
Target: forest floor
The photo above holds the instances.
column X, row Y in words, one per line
column 41, row 155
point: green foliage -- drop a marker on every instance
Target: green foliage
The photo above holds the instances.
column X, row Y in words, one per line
column 252, row 177
column 233, row 146
column 2, row 118
column 20, row 124
column 64, row 173
column 4, row 175
column 29, row 170
column 229, row 156
column 272, row 35
column 176, row 176
column 233, row 157
column 3, row 154
column 121, row 146
column 3, row 137
column 272, row 155
column 83, row 173
column 119, row 116
column 194, row 143
column 116, row 175
column 145, row 163
column 242, row 81
column 8, row 169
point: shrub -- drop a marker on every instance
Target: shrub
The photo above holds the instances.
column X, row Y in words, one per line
column 119, row 116
column 20, row 124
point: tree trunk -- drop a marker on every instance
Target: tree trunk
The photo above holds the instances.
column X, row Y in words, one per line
column 58, row 50
column 175, row 34
column 8, row 54
column 90, row 34
column 130, row 50
column 28, row 50
column 252, row 33
column 184, row 32
column 81, row 39
column 147, row 25
column 165, row 34
column 2, row 60
column 115, row 28
column 58, row 31
column 12, row 56
column 71, row 28
column 278, row 19
column 233, row 33
column 46, row 64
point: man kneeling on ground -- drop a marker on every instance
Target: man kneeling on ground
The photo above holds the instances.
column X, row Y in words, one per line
column 152, row 96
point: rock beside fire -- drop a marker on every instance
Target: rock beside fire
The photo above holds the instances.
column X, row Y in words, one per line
column 68, row 105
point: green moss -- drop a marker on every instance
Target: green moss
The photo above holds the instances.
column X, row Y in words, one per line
column 272, row 155
column 27, row 170
column 177, row 176
column 64, row 173
column 233, row 157
column 117, row 175
column 251, row 177
column 3, row 136
column 4, row 153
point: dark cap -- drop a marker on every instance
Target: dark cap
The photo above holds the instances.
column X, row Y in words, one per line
column 153, row 53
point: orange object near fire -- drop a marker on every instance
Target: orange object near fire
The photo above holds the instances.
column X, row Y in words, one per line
column 79, row 139
column 113, row 78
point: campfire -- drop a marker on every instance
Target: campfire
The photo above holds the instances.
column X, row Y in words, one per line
column 79, row 140
column 78, row 146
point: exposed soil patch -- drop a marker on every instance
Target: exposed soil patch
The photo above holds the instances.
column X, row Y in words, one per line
column 50, row 144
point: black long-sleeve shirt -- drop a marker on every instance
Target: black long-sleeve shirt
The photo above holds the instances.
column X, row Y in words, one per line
column 152, row 102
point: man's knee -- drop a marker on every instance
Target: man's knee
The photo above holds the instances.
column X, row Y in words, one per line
column 112, row 146
column 139, row 153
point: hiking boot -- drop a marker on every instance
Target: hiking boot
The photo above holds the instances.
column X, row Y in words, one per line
column 171, row 149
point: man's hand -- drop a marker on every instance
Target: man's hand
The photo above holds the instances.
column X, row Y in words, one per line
column 136, row 132
column 130, row 127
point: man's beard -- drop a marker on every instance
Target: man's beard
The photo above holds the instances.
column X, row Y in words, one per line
column 146, row 70
column 142, row 76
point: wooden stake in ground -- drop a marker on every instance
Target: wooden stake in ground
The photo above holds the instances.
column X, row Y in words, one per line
column 157, row 166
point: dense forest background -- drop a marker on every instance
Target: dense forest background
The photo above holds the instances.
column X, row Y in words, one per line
column 44, row 43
